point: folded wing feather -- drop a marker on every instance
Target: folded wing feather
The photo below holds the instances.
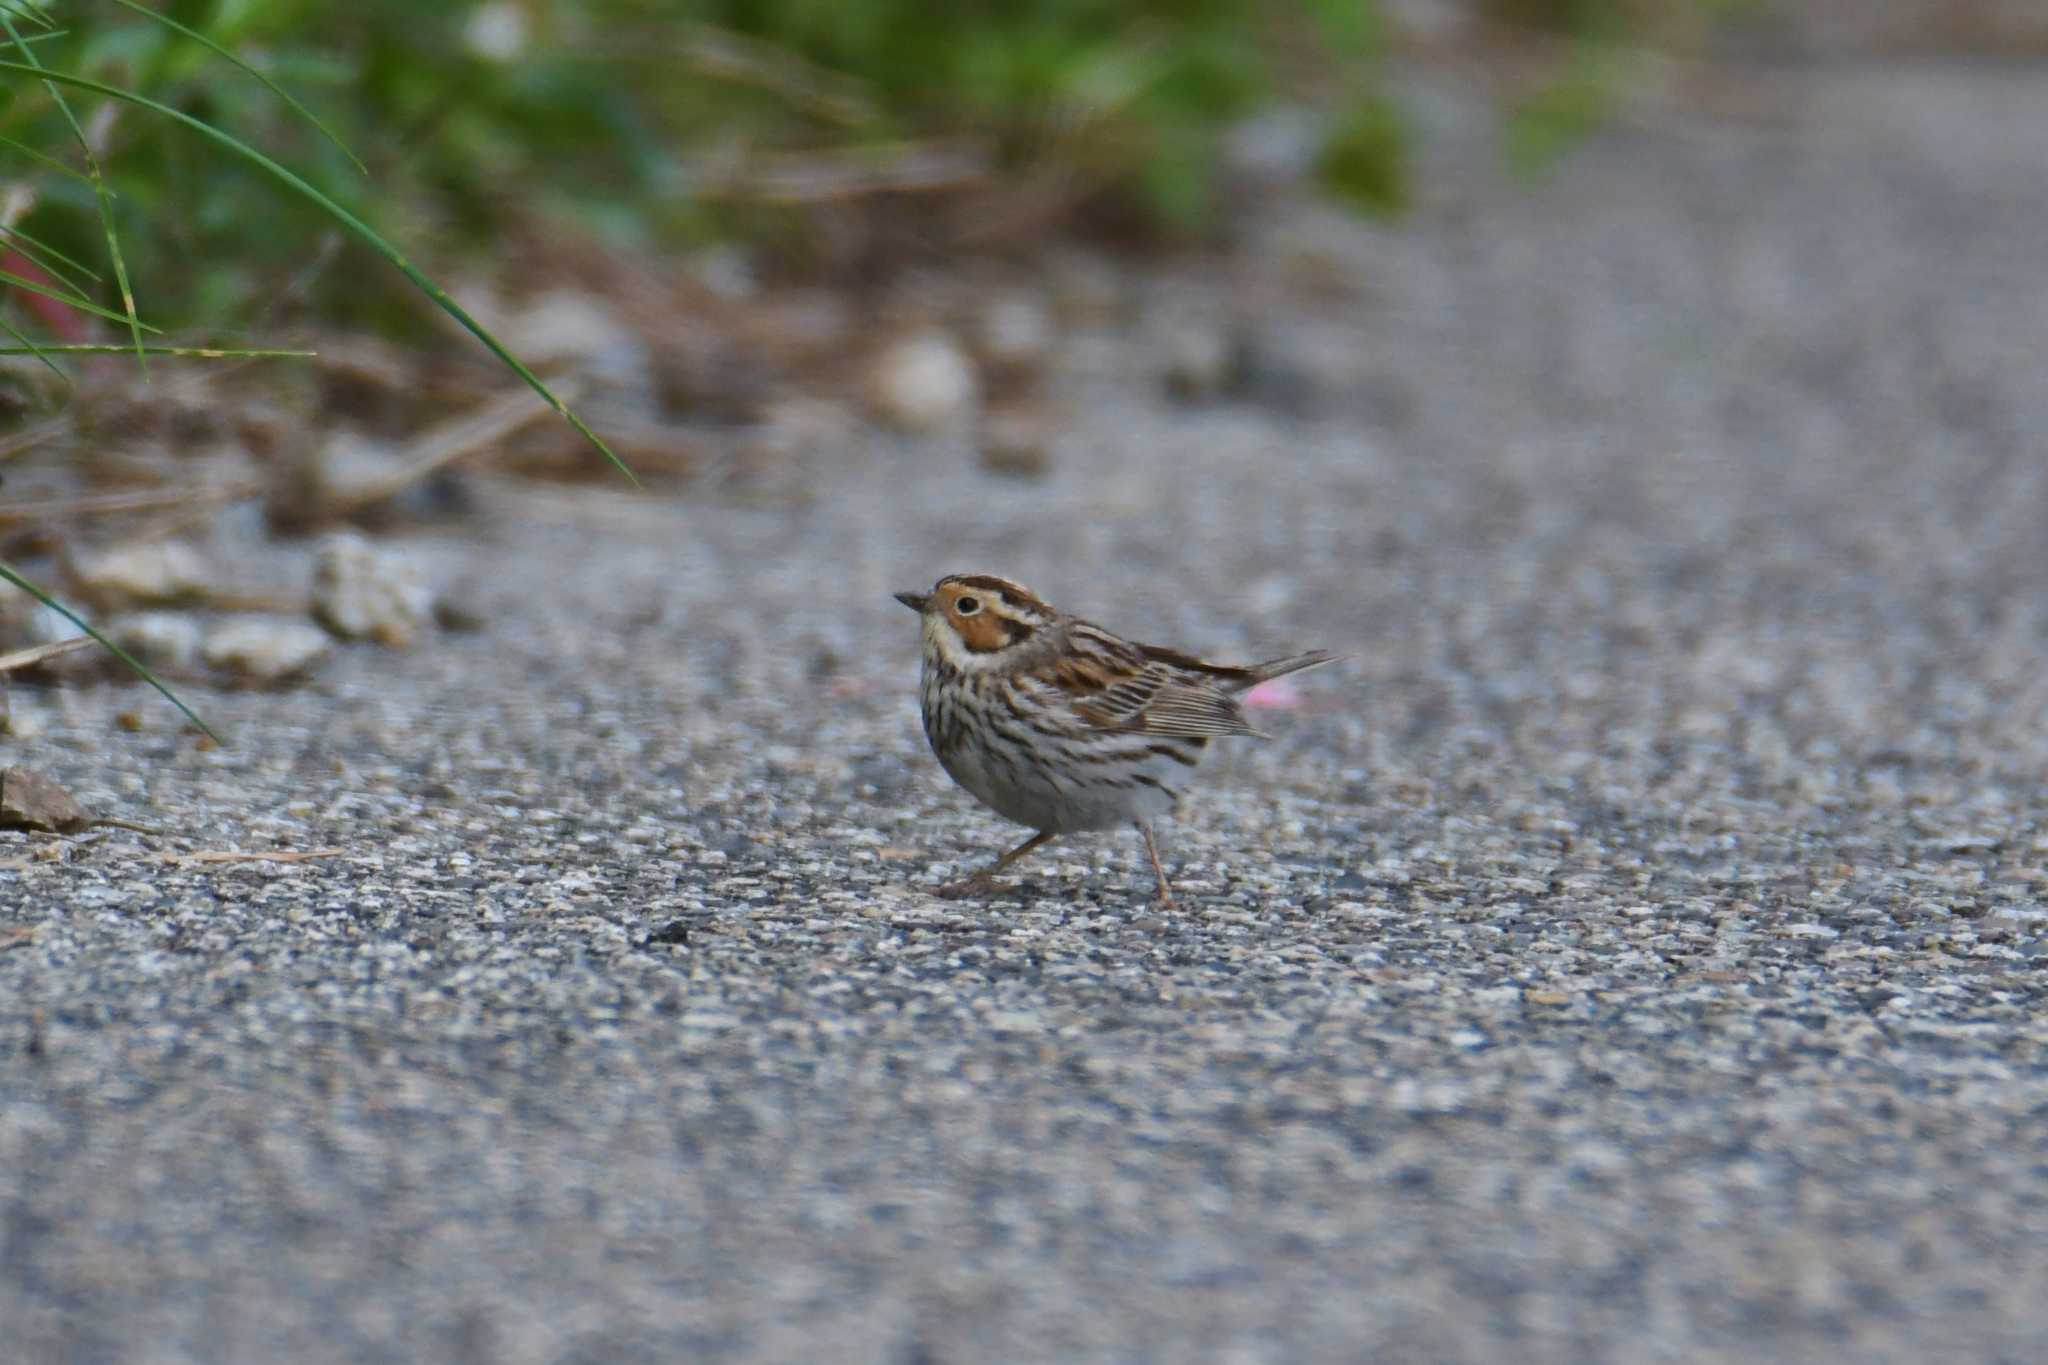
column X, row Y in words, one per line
column 1155, row 702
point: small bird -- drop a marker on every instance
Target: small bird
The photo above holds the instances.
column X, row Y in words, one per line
column 1057, row 724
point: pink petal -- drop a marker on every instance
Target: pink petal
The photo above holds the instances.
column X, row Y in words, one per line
column 1278, row 695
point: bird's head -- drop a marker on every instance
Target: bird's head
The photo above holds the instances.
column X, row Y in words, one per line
column 974, row 620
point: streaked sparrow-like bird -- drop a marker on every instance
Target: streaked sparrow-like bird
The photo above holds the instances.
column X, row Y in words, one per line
column 1057, row 724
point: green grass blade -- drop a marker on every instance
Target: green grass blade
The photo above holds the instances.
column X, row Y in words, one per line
column 48, row 257
column 362, row 230
column 217, row 50
column 8, row 573
column 29, row 347
column 194, row 352
column 102, row 197
column 46, row 161
column 70, row 300
column 31, row 13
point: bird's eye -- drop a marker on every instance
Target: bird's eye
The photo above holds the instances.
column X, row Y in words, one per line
column 967, row 606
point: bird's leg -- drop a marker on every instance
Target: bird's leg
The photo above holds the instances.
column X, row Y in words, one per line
column 984, row 881
column 1152, row 852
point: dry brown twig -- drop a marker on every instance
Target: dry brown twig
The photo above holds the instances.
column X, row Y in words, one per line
column 29, row 437
column 236, row 855
column 748, row 61
column 35, row 654
column 822, row 176
column 449, row 441
column 132, row 500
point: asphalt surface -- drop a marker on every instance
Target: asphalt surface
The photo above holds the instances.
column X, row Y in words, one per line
column 1633, row 952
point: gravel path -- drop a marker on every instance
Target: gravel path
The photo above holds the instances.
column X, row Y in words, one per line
column 1632, row 952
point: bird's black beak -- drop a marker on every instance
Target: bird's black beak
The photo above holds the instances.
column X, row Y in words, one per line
column 914, row 600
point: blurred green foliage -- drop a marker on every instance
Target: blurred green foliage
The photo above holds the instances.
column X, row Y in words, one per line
column 644, row 118
column 664, row 122
column 1363, row 158
column 1601, row 37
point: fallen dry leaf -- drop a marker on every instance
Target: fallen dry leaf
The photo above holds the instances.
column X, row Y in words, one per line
column 29, row 800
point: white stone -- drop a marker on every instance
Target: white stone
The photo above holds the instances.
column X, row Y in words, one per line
column 158, row 571
column 363, row 591
column 924, row 383
column 266, row 650
column 162, row 639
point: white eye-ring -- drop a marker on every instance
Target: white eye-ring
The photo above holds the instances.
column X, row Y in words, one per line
column 967, row 606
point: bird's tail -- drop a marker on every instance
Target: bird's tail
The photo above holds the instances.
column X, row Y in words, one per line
column 1255, row 674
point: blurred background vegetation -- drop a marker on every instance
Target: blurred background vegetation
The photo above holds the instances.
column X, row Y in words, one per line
column 656, row 125
column 645, row 196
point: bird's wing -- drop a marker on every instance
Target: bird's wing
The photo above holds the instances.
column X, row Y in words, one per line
column 1130, row 693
